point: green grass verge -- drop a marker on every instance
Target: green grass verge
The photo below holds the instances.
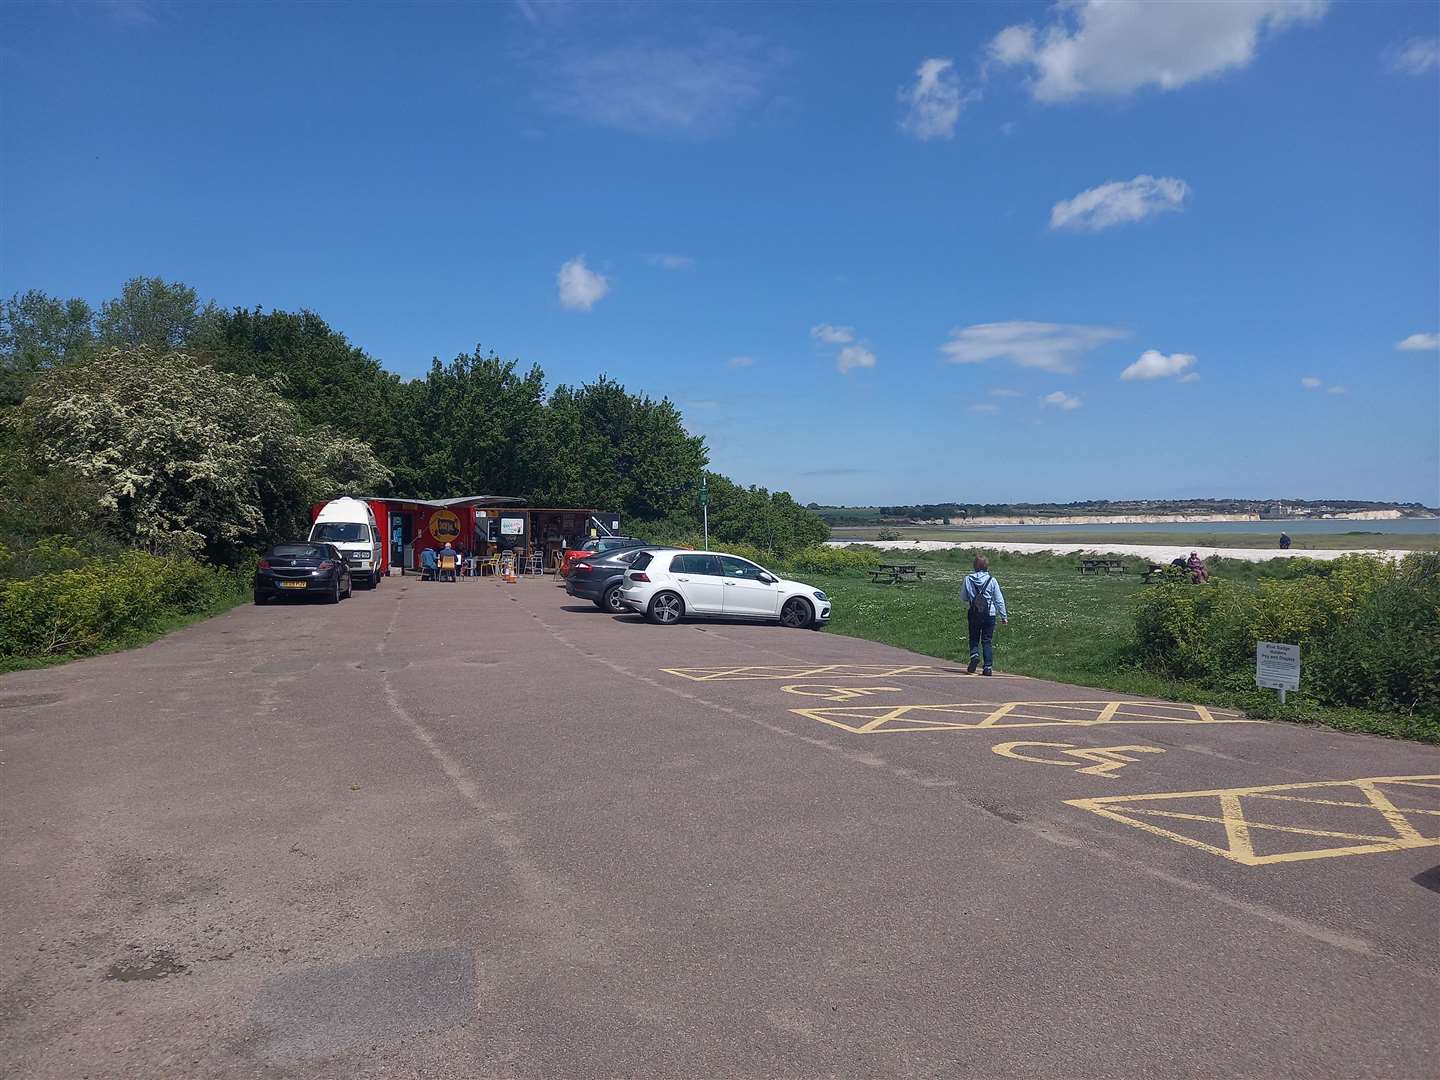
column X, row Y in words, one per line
column 1355, row 540
column 1066, row 628
column 154, row 632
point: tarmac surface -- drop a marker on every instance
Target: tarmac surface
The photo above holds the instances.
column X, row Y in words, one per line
column 477, row 830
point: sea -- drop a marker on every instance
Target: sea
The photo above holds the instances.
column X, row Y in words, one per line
column 1269, row 526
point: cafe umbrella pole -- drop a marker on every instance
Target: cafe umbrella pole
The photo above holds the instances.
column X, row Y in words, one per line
column 705, row 511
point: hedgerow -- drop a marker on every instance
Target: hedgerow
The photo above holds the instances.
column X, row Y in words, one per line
column 98, row 603
column 1368, row 630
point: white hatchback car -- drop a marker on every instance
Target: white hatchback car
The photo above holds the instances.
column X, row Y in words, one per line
column 665, row 586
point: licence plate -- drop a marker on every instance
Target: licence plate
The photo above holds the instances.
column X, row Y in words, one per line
column 293, row 584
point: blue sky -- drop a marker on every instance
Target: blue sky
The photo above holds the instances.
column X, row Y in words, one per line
column 937, row 237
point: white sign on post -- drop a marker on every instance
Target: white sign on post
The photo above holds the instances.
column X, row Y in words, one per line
column 1277, row 666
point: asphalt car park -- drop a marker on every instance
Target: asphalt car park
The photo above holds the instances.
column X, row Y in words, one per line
column 494, row 831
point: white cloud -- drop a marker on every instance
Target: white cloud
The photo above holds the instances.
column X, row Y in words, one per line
column 1061, row 400
column 833, row 335
column 1048, row 346
column 1154, row 364
column 1311, row 383
column 648, row 86
column 580, row 287
column 1415, row 57
column 740, row 361
column 1111, row 48
column 1004, row 391
column 1190, row 376
column 1337, row 390
column 670, row 262
column 852, row 357
column 985, row 407
column 934, row 101
column 1419, row 343
column 1117, row 202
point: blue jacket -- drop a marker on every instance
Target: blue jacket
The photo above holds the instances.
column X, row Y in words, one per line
column 981, row 580
column 428, row 559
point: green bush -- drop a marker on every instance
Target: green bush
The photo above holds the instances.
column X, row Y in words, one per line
column 1368, row 630
column 94, row 604
column 819, row 559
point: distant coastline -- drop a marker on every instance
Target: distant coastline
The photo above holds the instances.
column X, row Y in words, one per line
column 1159, row 519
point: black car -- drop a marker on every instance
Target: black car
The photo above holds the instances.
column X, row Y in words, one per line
column 598, row 577
column 302, row 569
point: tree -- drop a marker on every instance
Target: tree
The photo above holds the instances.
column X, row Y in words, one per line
column 472, row 426
column 151, row 311
column 329, row 380
column 614, row 450
column 187, row 458
column 38, row 331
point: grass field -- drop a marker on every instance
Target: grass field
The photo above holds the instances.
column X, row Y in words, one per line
column 1359, row 538
column 1062, row 627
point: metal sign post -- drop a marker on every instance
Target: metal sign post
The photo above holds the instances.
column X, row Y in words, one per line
column 705, row 510
column 1277, row 667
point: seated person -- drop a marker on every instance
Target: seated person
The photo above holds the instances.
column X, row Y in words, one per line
column 1198, row 573
column 428, row 564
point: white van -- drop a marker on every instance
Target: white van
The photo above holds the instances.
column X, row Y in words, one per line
column 349, row 524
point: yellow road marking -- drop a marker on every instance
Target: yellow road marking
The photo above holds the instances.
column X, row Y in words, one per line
column 827, row 671
column 838, row 693
column 1403, row 832
column 974, row 715
column 1108, row 760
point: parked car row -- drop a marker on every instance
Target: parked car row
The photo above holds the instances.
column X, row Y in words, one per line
column 669, row 584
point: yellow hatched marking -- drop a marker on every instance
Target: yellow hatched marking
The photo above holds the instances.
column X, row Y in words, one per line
column 1107, row 713
column 881, row 719
column 1238, row 829
column 809, row 671
column 1388, row 811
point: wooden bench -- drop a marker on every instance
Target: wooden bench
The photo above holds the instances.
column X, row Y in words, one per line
column 893, row 574
column 1096, row 566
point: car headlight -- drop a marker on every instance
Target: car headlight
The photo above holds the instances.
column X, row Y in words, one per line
column 820, row 595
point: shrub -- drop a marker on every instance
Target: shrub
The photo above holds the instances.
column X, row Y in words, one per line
column 97, row 603
column 819, row 559
column 1368, row 630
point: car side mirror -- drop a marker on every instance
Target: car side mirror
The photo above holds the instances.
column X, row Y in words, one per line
column 769, row 579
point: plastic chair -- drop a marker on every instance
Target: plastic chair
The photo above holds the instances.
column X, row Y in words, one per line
column 447, row 567
column 535, row 563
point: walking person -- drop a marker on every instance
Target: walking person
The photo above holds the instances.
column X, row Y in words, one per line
column 984, row 604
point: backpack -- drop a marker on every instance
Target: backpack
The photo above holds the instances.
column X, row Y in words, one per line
column 980, row 603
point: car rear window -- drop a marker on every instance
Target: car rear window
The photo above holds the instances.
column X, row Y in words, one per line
column 301, row 551
column 642, row 560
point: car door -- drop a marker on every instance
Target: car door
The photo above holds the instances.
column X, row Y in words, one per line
column 698, row 577
column 748, row 589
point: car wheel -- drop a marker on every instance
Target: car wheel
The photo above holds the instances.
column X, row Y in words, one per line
column 261, row 599
column 611, row 601
column 334, row 597
column 797, row 613
column 349, row 588
column 665, row 609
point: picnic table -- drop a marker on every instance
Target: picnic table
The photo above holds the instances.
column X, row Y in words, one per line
column 893, row 573
column 1096, row 566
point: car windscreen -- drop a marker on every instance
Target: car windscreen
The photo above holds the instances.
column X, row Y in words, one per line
column 339, row 532
column 299, row 551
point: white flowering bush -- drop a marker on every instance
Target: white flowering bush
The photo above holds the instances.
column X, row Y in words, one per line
column 188, row 459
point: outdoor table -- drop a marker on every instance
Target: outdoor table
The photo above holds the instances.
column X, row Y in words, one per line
column 893, row 573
